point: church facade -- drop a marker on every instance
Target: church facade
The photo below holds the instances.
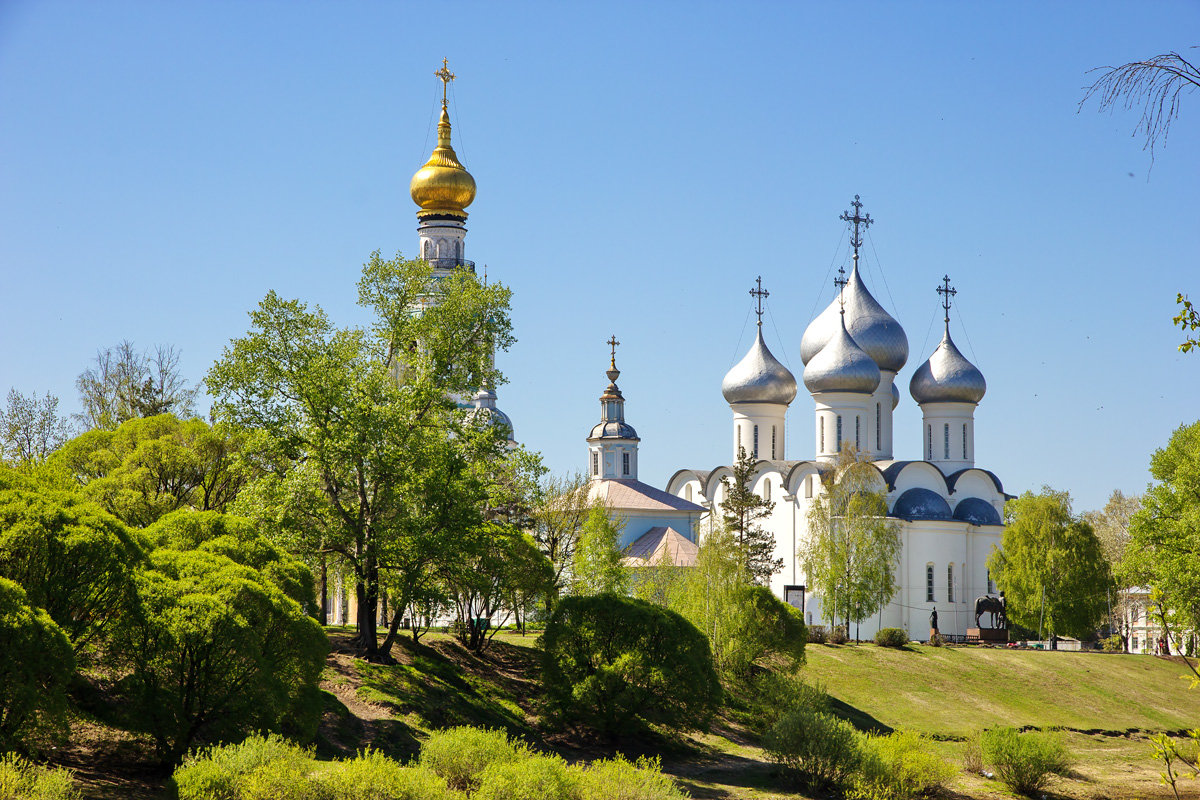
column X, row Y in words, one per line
column 948, row 511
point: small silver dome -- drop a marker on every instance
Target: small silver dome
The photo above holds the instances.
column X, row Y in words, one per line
column 947, row 377
column 841, row 366
column 759, row 378
column 486, row 413
column 895, row 396
column 872, row 328
column 613, row 429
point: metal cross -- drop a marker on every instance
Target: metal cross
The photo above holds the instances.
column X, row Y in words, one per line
column 946, row 291
column 857, row 220
column 758, row 295
column 446, row 75
column 840, row 282
column 613, row 344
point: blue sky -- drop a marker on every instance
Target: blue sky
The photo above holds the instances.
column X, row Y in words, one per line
column 164, row 165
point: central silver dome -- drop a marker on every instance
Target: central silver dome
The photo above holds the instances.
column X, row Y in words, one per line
column 759, row 378
column 873, row 329
column 947, row 377
column 841, row 366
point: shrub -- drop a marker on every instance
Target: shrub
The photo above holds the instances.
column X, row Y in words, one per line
column 898, row 767
column 820, row 750
column 1113, row 644
column 615, row 664
column 373, row 776
column 817, row 634
column 937, row 640
column 767, row 625
column 35, row 664
column 838, row 635
column 22, row 780
column 775, row 693
column 972, row 760
column 215, row 773
column 533, row 778
column 891, row 637
column 1025, row 761
column 460, row 755
column 618, row 779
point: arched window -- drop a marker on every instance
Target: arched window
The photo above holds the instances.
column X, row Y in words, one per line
column 991, row 585
column 738, row 430
column 929, row 443
column 878, row 427
column 755, row 453
column 857, row 432
column 767, row 491
column 839, row 433
column 625, row 463
column 822, row 434
column 687, row 493
column 773, row 456
column 964, row 441
column 929, row 582
column 950, row 583
column 946, row 444
column 428, row 254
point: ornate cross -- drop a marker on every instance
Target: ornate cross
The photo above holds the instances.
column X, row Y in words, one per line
column 446, row 75
column 946, row 291
column 840, row 282
column 857, row 220
column 758, row 295
column 612, row 342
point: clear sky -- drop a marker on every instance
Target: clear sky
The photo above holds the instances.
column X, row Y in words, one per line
column 164, row 165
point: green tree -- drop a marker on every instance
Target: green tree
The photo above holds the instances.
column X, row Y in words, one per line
column 150, row 466
column 560, row 510
column 215, row 650
column 36, row 662
column 125, row 383
column 616, row 664
column 1111, row 526
column 1164, row 544
column 853, row 547
column 597, row 567
column 1050, row 566
column 1188, row 319
column 741, row 511
column 30, row 429
column 358, row 403
column 73, row 559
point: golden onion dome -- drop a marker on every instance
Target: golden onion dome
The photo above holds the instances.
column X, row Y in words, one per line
column 443, row 185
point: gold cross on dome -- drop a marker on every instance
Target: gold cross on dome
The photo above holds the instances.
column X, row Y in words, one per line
column 446, row 75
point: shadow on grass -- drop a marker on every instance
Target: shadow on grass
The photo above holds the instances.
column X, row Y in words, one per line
column 857, row 717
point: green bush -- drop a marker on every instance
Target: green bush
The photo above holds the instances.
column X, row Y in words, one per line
column 460, row 755
column 1113, row 644
column 36, row 662
column 533, row 778
column 23, row 780
column 818, row 634
column 972, row 760
column 767, row 625
column 618, row 779
column 775, row 693
column 891, row 637
column 898, row 767
column 838, row 635
column 1024, row 761
column 216, row 773
column 616, row 664
column 819, row 750
column 373, row 776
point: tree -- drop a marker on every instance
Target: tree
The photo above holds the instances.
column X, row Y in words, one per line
column 853, row 547
column 365, row 407
column 125, row 383
column 1155, row 84
column 558, row 518
column 616, row 664
column 1111, row 526
column 597, row 567
column 31, row 429
column 1164, row 545
column 740, row 511
column 36, row 663
column 1050, row 566
column 150, row 466
column 215, row 650
column 1189, row 320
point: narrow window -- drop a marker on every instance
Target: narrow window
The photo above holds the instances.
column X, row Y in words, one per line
column 991, row 586
column 964, row 441
column 857, row 432
column 946, row 444
column 929, row 443
column 822, row 435
column 738, row 428
column 878, row 427
column 687, row 493
column 767, row 491
column 808, row 486
column 595, row 463
column 950, row 583
column 839, row 433
column 625, row 463
column 929, row 583
column 756, row 441
column 773, row 456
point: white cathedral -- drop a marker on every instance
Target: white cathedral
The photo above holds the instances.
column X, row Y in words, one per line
column 949, row 512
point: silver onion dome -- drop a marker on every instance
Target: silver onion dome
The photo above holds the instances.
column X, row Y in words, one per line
column 872, row 328
column 947, row 377
column 486, row 413
column 895, row 397
column 759, row 378
column 841, row 366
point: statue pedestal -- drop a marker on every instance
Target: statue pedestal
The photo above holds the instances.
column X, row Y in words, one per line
column 988, row 635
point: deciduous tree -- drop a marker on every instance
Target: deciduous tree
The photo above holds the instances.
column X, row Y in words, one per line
column 125, row 383
column 30, row 429
column 597, row 567
column 35, row 664
column 1111, row 526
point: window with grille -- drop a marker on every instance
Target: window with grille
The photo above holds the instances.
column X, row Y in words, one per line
column 946, row 443
column 964, row 441
column 949, row 583
column 929, row 443
column 857, row 432
column 878, row 427
column 839, row 433
column 929, row 583
column 773, row 456
column 625, row 463
column 595, row 463
column 755, row 441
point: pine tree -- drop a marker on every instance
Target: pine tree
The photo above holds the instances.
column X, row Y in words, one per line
column 740, row 513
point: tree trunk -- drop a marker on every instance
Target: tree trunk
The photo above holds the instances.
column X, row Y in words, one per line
column 324, row 589
column 367, row 592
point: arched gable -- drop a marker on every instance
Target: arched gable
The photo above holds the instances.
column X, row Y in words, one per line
column 794, row 481
column 904, row 475
column 976, row 477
